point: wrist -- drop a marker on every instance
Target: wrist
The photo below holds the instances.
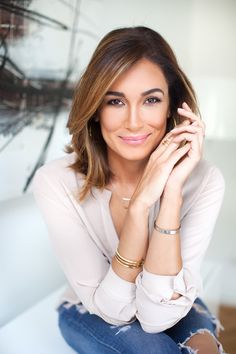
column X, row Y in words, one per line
column 139, row 208
column 173, row 186
column 173, row 196
column 171, row 202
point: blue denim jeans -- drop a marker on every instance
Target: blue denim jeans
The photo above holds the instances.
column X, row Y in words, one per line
column 90, row 334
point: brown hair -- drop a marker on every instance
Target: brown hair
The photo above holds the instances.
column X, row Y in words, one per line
column 115, row 53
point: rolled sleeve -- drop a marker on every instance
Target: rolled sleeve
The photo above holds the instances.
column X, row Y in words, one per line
column 156, row 310
column 161, row 287
column 112, row 282
column 114, row 290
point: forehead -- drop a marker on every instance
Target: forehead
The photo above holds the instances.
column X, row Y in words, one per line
column 141, row 76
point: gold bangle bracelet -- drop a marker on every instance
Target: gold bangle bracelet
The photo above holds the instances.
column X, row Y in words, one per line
column 128, row 263
column 128, row 260
column 132, row 264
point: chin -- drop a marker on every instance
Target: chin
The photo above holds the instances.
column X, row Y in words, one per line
column 135, row 155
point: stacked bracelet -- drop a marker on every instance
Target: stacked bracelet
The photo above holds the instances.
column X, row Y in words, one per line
column 127, row 263
column 166, row 231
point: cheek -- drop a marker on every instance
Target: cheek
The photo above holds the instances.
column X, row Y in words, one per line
column 155, row 118
column 110, row 121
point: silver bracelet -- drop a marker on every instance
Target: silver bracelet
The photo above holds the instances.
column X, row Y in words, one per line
column 166, row 231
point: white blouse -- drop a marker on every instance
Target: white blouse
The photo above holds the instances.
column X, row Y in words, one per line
column 85, row 240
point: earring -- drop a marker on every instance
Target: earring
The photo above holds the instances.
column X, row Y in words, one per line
column 90, row 131
column 174, row 120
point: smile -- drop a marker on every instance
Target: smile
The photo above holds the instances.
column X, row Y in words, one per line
column 135, row 140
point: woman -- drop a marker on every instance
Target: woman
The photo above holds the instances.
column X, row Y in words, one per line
column 131, row 209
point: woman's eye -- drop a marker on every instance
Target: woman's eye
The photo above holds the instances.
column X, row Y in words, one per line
column 115, row 102
column 153, row 100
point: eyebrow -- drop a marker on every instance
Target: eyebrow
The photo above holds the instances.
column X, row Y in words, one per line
column 145, row 93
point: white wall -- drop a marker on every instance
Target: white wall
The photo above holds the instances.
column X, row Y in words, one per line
column 202, row 34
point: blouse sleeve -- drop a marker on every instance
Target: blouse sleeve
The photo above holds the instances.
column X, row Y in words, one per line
column 88, row 271
column 155, row 309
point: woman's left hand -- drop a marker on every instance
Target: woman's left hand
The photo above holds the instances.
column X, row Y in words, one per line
column 194, row 134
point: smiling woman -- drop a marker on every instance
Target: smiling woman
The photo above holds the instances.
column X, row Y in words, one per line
column 132, row 208
column 134, row 112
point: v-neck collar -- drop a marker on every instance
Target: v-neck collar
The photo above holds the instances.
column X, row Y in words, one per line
column 111, row 234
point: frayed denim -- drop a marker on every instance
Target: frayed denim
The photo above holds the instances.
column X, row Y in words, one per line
column 90, row 334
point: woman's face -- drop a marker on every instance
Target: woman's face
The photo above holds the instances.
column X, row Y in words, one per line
column 134, row 112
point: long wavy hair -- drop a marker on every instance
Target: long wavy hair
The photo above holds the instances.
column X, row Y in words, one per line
column 116, row 53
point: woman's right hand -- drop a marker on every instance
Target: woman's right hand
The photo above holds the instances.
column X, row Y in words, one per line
column 160, row 164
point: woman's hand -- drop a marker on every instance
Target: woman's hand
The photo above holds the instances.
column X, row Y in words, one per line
column 193, row 134
column 157, row 171
column 169, row 165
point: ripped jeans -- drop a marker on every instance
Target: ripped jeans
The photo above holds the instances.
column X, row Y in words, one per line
column 90, row 334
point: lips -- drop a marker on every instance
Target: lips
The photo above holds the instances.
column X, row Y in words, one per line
column 135, row 139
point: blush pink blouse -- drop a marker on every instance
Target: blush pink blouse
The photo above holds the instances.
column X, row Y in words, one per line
column 85, row 240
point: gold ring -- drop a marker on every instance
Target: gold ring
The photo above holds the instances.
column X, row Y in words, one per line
column 166, row 142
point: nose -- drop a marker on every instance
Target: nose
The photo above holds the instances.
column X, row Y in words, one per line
column 133, row 120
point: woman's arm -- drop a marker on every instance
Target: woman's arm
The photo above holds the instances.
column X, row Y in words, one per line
column 133, row 242
column 157, row 308
column 164, row 252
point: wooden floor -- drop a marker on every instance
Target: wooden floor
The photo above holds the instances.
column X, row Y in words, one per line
column 227, row 316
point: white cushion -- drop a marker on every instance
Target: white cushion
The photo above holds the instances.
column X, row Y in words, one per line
column 29, row 270
column 35, row 331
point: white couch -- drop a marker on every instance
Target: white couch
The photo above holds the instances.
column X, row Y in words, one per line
column 31, row 282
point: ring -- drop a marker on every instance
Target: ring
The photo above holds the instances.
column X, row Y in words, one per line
column 166, row 142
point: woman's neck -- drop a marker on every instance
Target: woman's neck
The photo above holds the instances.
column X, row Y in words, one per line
column 126, row 172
